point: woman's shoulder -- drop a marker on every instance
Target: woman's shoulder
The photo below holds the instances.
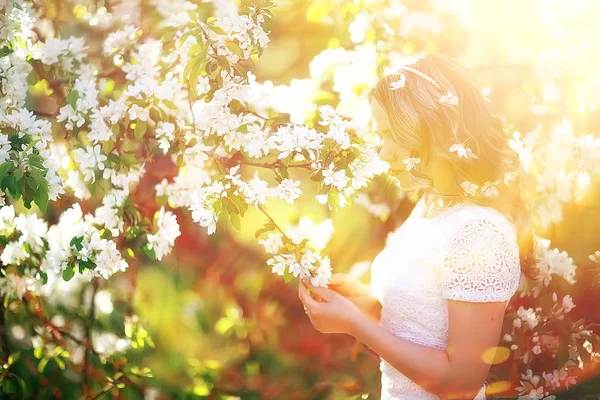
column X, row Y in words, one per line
column 483, row 218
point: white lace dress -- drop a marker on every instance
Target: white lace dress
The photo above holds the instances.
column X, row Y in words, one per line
column 467, row 252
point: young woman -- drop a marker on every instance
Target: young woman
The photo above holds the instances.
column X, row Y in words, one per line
column 439, row 289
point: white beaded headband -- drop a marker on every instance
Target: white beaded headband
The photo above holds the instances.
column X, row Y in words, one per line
column 421, row 74
column 448, row 98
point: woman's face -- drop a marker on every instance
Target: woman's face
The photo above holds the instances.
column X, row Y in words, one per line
column 391, row 152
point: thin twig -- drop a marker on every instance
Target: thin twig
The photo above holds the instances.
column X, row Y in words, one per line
column 88, row 336
column 275, row 164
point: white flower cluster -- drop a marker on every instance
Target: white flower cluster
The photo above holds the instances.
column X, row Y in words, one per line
column 174, row 13
column 120, row 41
column 308, row 265
column 75, row 240
column 551, row 262
column 304, row 264
column 38, row 133
column 204, row 202
column 108, row 213
column 67, row 53
column 13, row 81
column 167, row 230
column 291, row 260
column 30, row 231
column 87, row 99
column 562, row 164
column 16, row 21
column 14, row 286
column 532, row 387
column 69, row 243
column 243, row 30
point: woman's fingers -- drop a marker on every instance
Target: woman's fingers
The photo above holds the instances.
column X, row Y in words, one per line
column 306, row 298
column 324, row 293
column 337, row 278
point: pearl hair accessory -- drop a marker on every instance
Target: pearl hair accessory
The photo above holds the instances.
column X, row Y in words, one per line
column 421, row 74
column 448, row 98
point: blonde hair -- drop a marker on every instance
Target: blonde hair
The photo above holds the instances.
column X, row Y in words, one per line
column 428, row 127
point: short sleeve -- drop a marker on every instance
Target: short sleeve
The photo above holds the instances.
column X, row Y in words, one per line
column 482, row 263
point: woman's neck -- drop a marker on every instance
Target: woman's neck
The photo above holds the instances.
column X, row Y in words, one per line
column 434, row 200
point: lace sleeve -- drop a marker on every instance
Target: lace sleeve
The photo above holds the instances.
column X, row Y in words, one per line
column 482, row 264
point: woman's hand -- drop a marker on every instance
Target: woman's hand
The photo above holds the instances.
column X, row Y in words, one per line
column 358, row 293
column 334, row 314
column 347, row 285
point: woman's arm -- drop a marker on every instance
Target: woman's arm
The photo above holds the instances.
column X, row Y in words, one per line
column 455, row 373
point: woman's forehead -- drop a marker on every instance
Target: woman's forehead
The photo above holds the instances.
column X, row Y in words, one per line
column 380, row 118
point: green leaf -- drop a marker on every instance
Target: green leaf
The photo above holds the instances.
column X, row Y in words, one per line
column 223, row 62
column 170, row 104
column 109, row 144
column 113, row 158
column 333, row 198
column 188, row 68
column 18, row 174
column 184, row 37
column 241, row 70
column 129, row 159
column 140, row 129
column 235, row 48
column 195, row 49
column 4, row 168
column 68, row 273
column 267, row 25
column 287, row 276
column 235, row 221
column 13, row 358
column 241, row 205
column 40, row 197
column 15, row 189
column 72, row 98
column 77, row 242
column 5, row 51
column 42, row 365
column 195, row 72
column 38, row 177
column 218, row 30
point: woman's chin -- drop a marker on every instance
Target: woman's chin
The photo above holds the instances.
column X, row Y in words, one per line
column 403, row 185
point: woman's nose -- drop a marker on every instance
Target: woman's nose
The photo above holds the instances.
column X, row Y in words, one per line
column 385, row 154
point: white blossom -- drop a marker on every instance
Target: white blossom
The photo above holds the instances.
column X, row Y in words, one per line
column 335, row 178
column 165, row 135
column 411, row 163
column 288, row 190
column 5, row 147
column 167, row 231
column 462, row 151
column 273, row 242
column 399, row 84
column 449, row 98
column 490, row 189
